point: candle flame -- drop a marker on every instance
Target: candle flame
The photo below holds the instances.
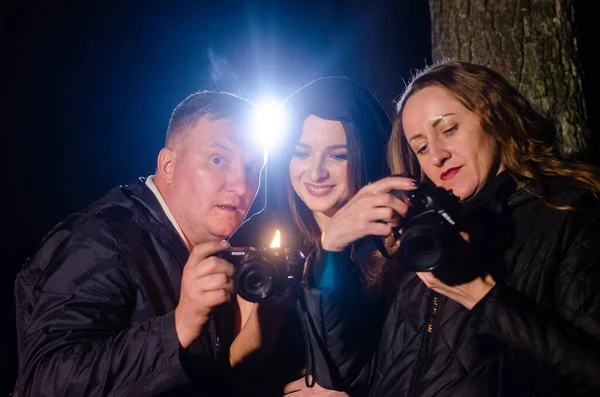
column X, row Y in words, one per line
column 276, row 243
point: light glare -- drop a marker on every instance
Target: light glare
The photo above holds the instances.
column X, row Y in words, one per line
column 269, row 123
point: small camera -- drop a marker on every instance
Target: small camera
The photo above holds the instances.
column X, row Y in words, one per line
column 262, row 272
column 430, row 230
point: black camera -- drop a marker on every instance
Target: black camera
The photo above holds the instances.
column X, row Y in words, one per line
column 430, row 230
column 263, row 272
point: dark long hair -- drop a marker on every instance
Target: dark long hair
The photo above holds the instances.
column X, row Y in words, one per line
column 367, row 128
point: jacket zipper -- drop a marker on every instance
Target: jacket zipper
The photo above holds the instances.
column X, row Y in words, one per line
column 215, row 330
column 213, row 337
column 425, row 345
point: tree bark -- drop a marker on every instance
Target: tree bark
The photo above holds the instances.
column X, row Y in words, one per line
column 531, row 42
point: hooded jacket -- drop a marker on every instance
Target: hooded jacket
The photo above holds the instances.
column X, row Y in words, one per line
column 536, row 333
column 95, row 309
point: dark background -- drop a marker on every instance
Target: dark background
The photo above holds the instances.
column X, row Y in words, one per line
column 88, row 88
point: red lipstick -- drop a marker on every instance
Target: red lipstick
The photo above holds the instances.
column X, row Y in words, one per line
column 450, row 173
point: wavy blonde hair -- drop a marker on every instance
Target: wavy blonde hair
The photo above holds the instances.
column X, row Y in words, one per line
column 526, row 140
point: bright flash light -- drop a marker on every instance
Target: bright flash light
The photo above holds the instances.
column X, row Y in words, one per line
column 269, row 123
column 276, row 243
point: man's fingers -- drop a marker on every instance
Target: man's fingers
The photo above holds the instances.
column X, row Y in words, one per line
column 207, row 249
column 215, row 281
column 216, row 297
column 213, row 265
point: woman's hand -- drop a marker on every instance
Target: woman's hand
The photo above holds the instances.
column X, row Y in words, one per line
column 372, row 211
column 467, row 294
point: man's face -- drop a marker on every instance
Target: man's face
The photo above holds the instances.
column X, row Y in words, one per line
column 215, row 176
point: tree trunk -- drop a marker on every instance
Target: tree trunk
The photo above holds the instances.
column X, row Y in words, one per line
column 532, row 42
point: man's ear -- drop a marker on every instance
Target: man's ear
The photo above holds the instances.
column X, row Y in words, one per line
column 166, row 165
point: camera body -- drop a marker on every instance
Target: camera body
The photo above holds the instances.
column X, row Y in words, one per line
column 263, row 272
column 430, row 230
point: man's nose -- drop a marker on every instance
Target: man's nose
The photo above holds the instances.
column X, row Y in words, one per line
column 237, row 182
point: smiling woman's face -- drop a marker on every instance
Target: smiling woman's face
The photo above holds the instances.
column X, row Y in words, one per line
column 451, row 146
column 319, row 166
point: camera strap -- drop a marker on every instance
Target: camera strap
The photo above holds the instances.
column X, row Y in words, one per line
column 305, row 322
column 378, row 241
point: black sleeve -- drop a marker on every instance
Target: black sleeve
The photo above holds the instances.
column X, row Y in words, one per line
column 342, row 322
column 75, row 302
column 565, row 342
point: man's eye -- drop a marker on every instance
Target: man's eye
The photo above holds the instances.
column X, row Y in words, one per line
column 216, row 160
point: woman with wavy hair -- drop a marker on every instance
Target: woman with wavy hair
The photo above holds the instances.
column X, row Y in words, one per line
column 526, row 321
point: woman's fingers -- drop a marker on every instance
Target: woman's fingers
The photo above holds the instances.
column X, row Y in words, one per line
column 390, row 183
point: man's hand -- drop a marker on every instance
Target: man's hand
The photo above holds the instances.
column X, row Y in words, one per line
column 298, row 388
column 206, row 282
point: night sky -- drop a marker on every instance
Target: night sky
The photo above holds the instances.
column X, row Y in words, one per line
column 89, row 88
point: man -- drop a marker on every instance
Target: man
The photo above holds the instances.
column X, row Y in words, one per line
column 127, row 296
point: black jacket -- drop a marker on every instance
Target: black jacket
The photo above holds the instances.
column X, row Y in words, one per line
column 537, row 333
column 95, row 308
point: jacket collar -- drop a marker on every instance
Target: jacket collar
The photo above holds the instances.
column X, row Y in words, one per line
column 495, row 195
column 154, row 189
column 149, row 215
column 507, row 191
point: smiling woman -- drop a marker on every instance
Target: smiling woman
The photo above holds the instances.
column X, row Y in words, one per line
column 338, row 132
column 318, row 169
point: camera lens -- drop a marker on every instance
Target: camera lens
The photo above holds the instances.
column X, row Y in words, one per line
column 423, row 248
column 253, row 281
column 256, row 282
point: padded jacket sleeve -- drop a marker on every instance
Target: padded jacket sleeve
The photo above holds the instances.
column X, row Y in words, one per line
column 564, row 342
column 75, row 303
column 343, row 323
